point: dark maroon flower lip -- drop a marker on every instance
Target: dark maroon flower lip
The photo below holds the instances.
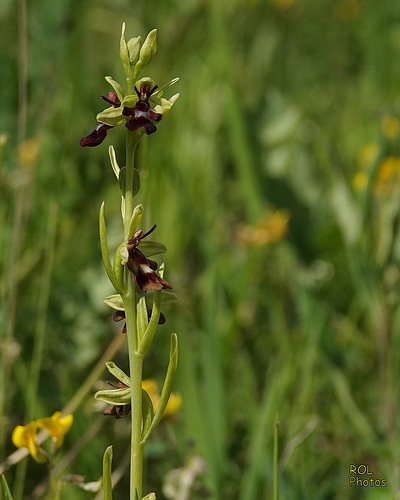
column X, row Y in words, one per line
column 143, row 269
column 96, row 137
column 141, row 114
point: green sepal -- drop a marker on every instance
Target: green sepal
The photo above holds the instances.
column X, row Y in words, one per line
column 111, row 116
column 115, row 302
column 134, row 45
column 142, row 319
column 118, row 373
column 124, row 54
column 167, row 388
column 6, row 489
column 147, row 51
column 117, row 397
column 135, row 219
column 147, row 411
column 107, row 483
column 164, row 107
column 113, row 161
column 151, row 247
column 104, row 249
column 150, row 496
column 117, row 87
column 122, row 181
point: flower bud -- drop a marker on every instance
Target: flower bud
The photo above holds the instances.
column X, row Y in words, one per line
column 147, row 51
column 134, row 45
column 124, row 53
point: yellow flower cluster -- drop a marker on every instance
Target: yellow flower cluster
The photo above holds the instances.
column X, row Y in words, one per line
column 24, row 436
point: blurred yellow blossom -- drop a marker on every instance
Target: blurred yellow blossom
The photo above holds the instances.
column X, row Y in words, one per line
column 388, row 175
column 360, row 180
column 174, row 402
column 368, row 154
column 272, row 227
column 28, row 152
column 25, row 436
column 56, row 426
column 390, row 126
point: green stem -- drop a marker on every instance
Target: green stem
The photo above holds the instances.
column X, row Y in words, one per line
column 135, row 358
column 131, row 142
column 135, row 368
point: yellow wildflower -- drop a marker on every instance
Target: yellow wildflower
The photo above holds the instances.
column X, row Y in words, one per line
column 360, row 180
column 25, row 437
column 273, row 227
column 57, row 427
column 28, row 152
column 368, row 154
column 388, row 175
column 390, row 126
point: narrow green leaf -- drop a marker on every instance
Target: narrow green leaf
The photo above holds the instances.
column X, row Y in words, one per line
column 151, row 326
column 104, row 249
column 167, row 388
column 147, row 412
column 107, row 483
column 6, row 489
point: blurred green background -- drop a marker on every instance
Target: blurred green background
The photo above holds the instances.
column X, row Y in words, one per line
column 274, row 183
